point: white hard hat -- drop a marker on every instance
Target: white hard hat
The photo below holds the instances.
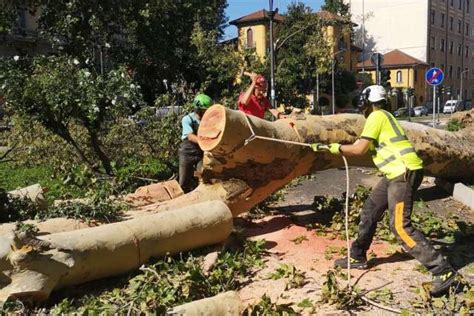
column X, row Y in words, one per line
column 376, row 93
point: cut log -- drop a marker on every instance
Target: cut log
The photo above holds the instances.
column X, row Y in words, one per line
column 33, row 192
column 265, row 166
column 38, row 266
column 228, row 304
column 154, row 193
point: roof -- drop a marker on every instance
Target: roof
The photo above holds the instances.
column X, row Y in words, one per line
column 257, row 16
column 262, row 15
column 330, row 16
column 394, row 58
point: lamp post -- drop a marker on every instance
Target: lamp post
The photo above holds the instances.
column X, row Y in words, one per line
column 271, row 15
column 467, row 70
column 332, row 75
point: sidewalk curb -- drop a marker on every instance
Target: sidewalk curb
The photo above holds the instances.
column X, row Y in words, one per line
column 460, row 192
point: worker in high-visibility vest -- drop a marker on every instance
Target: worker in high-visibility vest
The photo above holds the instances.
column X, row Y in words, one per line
column 395, row 157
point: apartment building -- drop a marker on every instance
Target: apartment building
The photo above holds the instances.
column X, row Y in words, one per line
column 437, row 32
column 253, row 32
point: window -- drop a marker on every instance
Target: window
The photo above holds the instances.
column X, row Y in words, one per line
column 458, row 73
column 442, row 67
column 459, row 26
column 459, row 49
column 451, row 46
column 466, row 73
column 468, row 5
column 466, row 52
column 442, row 20
column 441, row 45
column 450, row 71
column 432, row 42
column 451, row 21
column 467, row 29
column 460, row 5
column 250, row 43
column 21, row 19
column 399, row 76
column 452, row 2
column 432, row 16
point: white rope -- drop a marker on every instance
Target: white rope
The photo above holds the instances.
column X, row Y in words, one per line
column 348, row 241
column 349, row 285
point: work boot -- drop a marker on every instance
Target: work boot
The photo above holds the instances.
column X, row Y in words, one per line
column 442, row 282
column 355, row 263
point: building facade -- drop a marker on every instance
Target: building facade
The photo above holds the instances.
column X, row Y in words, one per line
column 253, row 33
column 437, row 32
column 24, row 38
column 405, row 72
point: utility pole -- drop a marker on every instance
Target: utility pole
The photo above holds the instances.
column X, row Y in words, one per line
column 271, row 15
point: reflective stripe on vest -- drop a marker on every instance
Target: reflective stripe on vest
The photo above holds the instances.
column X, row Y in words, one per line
column 386, row 153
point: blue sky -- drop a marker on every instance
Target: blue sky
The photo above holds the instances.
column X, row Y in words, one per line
column 238, row 8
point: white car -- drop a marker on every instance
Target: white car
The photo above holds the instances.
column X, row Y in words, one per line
column 420, row 110
column 452, row 106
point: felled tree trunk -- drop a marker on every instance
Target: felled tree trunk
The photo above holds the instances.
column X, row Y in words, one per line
column 228, row 304
column 37, row 266
column 265, row 166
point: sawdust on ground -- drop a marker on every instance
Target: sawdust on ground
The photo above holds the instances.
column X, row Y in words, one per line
column 391, row 266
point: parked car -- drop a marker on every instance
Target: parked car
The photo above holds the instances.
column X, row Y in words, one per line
column 403, row 112
column 452, row 106
column 420, row 110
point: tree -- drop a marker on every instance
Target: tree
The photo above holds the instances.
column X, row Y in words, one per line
column 336, row 6
column 216, row 64
column 301, row 53
column 59, row 92
column 152, row 37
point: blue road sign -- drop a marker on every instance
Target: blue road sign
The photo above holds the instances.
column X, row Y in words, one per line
column 434, row 76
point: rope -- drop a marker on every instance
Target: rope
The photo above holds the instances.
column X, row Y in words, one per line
column 349, row 285
column 255, row 136
column 347, row 226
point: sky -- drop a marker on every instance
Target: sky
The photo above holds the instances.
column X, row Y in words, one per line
column 238, row 8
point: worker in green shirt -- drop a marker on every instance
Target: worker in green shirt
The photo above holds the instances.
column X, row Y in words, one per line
column 395, row 157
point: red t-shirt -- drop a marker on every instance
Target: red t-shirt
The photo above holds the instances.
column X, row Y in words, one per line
column 255, row 106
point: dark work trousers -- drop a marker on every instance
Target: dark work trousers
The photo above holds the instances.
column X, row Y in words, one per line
column 190, row 155
column 397, row 195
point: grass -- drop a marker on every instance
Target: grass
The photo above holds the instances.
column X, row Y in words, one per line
column 14, row 177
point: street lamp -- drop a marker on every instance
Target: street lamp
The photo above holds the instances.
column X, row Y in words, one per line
column 467, row 70
column 332, row 74
column 271, row 15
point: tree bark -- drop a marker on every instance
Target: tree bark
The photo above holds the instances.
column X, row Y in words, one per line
column 228, row 304
column 93, row 253
column 265, row 166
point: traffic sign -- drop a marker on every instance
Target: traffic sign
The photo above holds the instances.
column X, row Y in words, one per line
column 434, row 76
column 376, row 59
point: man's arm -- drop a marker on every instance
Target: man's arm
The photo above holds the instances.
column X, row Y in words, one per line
column 187, row 125
column 244, row 100
column 359, row 148
column 193, row 138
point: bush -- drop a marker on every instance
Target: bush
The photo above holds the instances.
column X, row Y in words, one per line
column 454, row 125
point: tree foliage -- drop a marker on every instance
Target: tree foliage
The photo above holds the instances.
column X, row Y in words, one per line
column 301, row 52
column 59, row 92
column 336, row 6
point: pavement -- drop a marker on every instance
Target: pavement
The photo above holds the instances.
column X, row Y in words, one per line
column 290, row 241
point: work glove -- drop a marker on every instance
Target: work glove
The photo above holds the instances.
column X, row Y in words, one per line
column 335, row 148
column 319, row 147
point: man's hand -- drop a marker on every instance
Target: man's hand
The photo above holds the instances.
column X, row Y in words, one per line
column 319, row 147
column 335, row 148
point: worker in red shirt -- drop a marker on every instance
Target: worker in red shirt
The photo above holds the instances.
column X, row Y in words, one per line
column 253, row 101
